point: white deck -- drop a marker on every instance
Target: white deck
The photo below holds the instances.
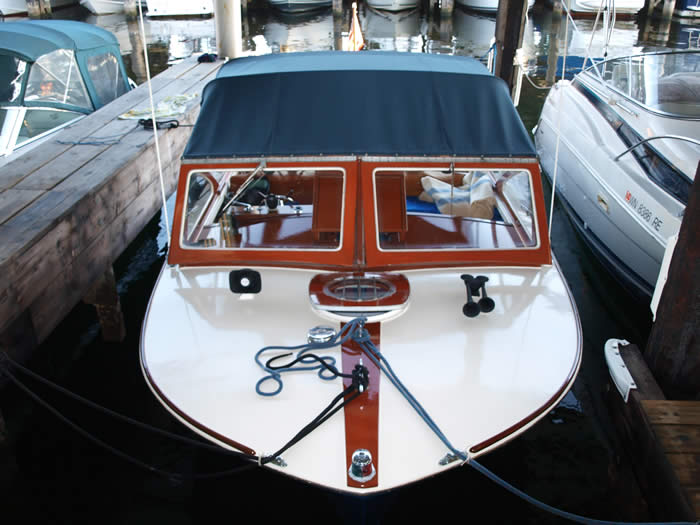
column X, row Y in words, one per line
column 475, row 376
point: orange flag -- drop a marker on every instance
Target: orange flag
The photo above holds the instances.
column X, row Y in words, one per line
column 355, row 37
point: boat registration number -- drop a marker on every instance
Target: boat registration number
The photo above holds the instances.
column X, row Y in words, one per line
column 645, row 213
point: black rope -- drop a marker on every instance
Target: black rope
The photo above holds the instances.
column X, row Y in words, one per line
column 117, row 415
column 360, row 380
column 117, row 452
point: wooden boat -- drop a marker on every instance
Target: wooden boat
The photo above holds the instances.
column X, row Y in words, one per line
column 54, row 72
column 384, row 212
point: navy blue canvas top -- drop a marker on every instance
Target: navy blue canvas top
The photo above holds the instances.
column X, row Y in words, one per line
column 376, row 103
column 33, row 38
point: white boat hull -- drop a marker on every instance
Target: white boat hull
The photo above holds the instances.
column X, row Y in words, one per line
column 299, row 5
column 487, row 5
column 393, row 5
column 590, row 7
column 179, row 8
column 103, row 7
column 625, row 216
column 483, row 380
column 19, row 7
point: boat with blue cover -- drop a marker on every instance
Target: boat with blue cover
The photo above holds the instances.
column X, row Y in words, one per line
column 359, row 290
column 53, row 72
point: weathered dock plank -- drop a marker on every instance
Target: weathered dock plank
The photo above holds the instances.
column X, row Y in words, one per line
column 662, row 439
column 663, row 412
column 82, row 204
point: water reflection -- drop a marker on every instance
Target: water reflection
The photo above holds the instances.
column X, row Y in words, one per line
column 546, row 40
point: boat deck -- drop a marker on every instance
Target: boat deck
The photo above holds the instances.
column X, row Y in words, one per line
column 70, row 206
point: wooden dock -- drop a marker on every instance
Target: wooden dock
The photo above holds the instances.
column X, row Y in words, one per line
column 661, row 439
column 69, row 207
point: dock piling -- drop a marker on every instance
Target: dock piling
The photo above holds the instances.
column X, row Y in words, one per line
column 673, row 348
column 229, row 32
column 510, row 25
column 39, row 8
column 105, row 298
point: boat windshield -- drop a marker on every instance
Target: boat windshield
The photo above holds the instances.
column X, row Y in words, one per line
column 277, row 209
column 12, row 73
column 454, row 209
column 665, row 82
column 55, row 79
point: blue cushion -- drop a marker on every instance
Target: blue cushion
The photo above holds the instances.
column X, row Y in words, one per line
column 414, row 204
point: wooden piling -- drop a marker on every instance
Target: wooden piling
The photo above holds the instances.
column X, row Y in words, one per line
column 229, row 32
column 446, row 8
column 553, row 55
column 673, row 347
column 338, row 8
column 131, row 9
column 39, row 8
column 104, row 297
column 510, row 25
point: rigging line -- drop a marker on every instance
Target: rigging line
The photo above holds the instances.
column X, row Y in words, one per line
column 153, row 118
column 117, row 452
column 559, row 112
column 183, row 439
column 558, row 512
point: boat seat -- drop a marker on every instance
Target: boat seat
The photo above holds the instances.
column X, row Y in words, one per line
column 391, row 200
column 327, row 206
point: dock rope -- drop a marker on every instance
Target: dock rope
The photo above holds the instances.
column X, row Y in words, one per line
column 359, row 334
column 154, row 123
column 6, row 360
column 355, row 329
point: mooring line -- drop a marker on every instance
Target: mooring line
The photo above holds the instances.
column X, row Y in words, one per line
column 4, row 358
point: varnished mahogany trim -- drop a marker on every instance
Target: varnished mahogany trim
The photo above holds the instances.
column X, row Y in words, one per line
column 342, row 257
column 172, row 406
column 318, row 295
column 362, row 414
column 386, row 259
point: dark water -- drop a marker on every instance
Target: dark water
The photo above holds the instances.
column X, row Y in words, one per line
column 571, row 459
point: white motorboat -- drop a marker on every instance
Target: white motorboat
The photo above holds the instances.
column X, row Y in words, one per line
column 393, row 5
column 299, row 6
column 628, row 150
column 393, row 31
column 158, row 8
column 53, row 72
column 487, row 5
column 620, row 8
column 347, row 224
column 103, row 7
column 19, row 7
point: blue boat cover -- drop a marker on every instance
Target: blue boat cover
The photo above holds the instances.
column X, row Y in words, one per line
column 367, row 102
column 30, row 39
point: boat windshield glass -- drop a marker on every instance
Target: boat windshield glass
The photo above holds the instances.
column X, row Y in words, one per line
column 38, row 121
column 55, row 78
column 278, row 209
column 106, row 76
column 454, row 209
column 12, row 73
column 669, row 83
